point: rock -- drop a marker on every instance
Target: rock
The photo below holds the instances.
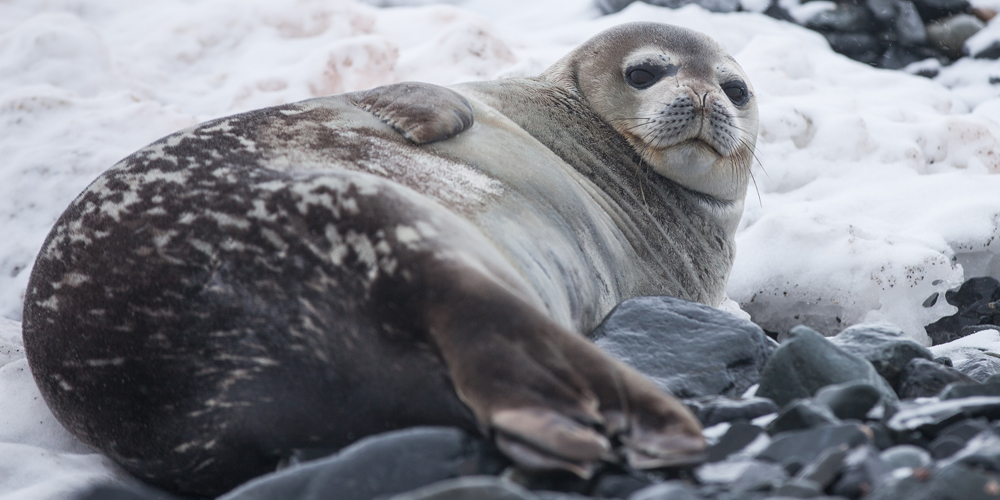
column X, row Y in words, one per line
column 799, row 488
column 908, row 26
column 807, row 362
column 668, row 490
column 390, row 463
column 619, row 485
column 898, row 56
column 776, row 11
column 949, row 34
column 922, row 378
column 967, row 390
column 465, row 488
column 853, row 44
column 991, row 51
column 931, row 10
column 883, row 10
column 974, row 299
column 905, row 455
column 982, row 451
column 611, row 6
column 950, row 482
column 944, row 360
column 931, row 418
column 735, row 439
column 979, row 368
column 712, row 410
column 885, row 346
column 845, row 17
column 759, row 476
column 826, row 467
column 686, row 348
column 801, row 414
column 966, row 429
column 121, row 492
column 945, row 446
column 881, row 436
column 863, row 468
column 803, row 447
column 849, row 400
column 709, row 5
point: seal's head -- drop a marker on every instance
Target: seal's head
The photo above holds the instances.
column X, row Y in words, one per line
column 683, row 103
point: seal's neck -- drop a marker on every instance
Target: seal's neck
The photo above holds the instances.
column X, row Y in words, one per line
column 663, row 221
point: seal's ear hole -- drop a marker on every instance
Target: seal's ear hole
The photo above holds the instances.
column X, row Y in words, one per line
column 737, row 92
column 643, row 76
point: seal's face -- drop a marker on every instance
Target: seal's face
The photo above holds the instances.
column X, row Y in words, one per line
column 678, row 97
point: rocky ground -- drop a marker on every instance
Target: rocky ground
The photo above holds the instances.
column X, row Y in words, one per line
column 892, row 34
column 868, row 413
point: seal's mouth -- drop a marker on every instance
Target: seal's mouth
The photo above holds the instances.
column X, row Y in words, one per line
column 699, row 143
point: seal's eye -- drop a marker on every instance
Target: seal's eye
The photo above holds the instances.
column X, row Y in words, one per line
column 645, row 75
column 737, row 92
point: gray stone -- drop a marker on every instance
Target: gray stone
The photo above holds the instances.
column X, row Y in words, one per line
column 804, row 447
column 845, row 17
column 931, row 418
column 885, row 346
column 931, row 10
column 853, row 44
column 689, row 349
column 850, row 399
column 949, row 34
column 908, row 26
column 905, row 455
column 883, row 10
column 759, row 476
column 863, row 468
column 801, row 414
column 381, row 465
column 466, row 488
column 712, row 410
column 709, row 5
column 120, row 492
column 668, row 490
column 975, row 301
column 799, row 488
column 967, row 390
column 737, row 437
column 922, row 379
column 826, row 467
column 612, row 6
column 979, row 368
column 982, row 451
column 807, row 362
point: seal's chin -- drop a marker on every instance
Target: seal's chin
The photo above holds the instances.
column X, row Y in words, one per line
column 685, row 158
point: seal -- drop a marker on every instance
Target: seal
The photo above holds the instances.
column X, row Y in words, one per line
column 309, row 274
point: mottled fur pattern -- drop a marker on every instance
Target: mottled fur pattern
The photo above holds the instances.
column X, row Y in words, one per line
column 309, row 274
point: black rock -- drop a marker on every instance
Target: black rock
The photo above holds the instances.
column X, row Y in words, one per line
column 944, row 360
column 737, row 437
column 992, row 51
column 845, row 17
column 619, row 485
column 463, row 488
column 882, row 438
column 898, row 56
column 930, row 301
column 807, row 362
column 931, row 418
column 849, row 400
column 560, row 495
column 966, row 429
column 712, row 410
column 853, row 44
column 686, row 348
column 381, row 465
column 885, row 346
column 799, row 488
column 931, row 10
column 668, row 490
column 863, row 468
column 950, row 482
column 803, row 447
column 121, row 492
column 778, row 12
column 922, row 378
column 979, row 368
column 883, row 11
column 976, row 302
column 802, row 414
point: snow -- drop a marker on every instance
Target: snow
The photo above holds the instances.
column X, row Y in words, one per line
column 874, row 188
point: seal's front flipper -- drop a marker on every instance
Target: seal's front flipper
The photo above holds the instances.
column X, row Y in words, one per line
column 422, row 112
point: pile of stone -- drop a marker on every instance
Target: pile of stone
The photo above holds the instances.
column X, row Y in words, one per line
column 868, row 413
column 884, row 33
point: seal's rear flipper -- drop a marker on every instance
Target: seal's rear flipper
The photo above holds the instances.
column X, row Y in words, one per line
column 422, row 112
